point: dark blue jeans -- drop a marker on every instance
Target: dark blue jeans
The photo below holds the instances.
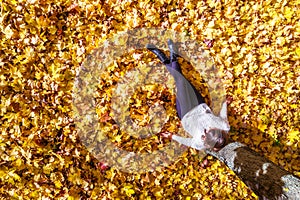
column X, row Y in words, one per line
column 187, row 97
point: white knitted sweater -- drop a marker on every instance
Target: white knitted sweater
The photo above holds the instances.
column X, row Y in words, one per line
column 197, row 120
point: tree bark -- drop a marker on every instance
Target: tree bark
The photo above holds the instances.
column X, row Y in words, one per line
column 267, row 180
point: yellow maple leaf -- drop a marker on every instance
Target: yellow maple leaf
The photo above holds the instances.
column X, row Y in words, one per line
column 288, row 13
column 297, row 51
column 128, row 190
column 57, row 184
column 118, row 138
column 293, row 135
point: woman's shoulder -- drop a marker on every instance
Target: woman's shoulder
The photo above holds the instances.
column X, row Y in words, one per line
column 196, row 117
column 199, row 110
column 202, row 117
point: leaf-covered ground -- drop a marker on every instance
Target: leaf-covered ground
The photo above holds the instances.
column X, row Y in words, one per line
column 255, row 44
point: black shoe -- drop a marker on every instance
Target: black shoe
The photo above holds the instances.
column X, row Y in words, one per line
column 173, row 50
column 160, row 55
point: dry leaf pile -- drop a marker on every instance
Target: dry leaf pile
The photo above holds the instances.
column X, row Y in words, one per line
column 255, row 44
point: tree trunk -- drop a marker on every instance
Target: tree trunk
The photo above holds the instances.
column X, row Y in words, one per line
column 267, row 180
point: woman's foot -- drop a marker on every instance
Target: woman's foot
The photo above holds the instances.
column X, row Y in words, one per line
column 173, row 50
column 160, row 55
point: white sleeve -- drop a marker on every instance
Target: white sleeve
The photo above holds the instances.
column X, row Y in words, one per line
column 195, row 143
column 182, row 140
column 223, row 112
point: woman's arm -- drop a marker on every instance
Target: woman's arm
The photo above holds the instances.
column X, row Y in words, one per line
column 195, row 143
column 223, row 112
column 182, row 140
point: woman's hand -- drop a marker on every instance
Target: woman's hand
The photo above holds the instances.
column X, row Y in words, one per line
column 229, row 99
column 204, row 163
column 167, row 135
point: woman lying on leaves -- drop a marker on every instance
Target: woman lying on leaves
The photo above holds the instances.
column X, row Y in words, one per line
column 207, row 130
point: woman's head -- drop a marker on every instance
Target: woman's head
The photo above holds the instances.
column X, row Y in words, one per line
column 215, row 138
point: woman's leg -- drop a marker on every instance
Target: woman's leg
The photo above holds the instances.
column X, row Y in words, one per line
column 187, row 97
